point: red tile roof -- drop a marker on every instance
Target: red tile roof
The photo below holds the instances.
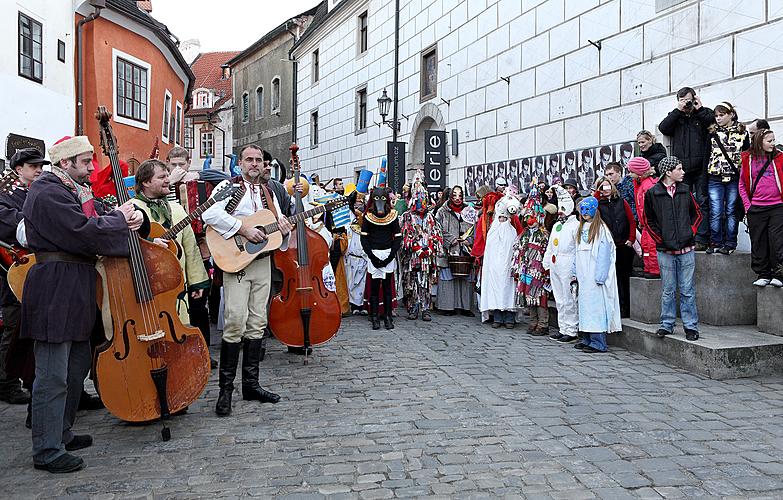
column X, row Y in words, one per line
column 145, row 5
column 209, row 75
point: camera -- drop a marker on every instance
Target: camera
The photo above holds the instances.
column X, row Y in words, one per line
column 689, row 104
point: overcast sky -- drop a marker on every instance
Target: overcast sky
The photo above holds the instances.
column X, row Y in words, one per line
column 226, row 24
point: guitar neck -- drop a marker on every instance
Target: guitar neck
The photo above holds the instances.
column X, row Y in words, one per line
column 271, row 228
column 195, row 214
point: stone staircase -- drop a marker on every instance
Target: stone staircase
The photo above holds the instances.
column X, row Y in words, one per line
column 741, row 326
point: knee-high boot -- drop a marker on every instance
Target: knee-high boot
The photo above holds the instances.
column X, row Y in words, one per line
column 376, row 323
column 229, row 357
column 251, row 357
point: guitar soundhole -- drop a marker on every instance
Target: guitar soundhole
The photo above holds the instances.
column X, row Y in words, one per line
column 256, row 247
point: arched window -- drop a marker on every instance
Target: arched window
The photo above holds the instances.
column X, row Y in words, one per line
column 259, row 102
column 276, row 94
column 202, row 99
column 245, row 107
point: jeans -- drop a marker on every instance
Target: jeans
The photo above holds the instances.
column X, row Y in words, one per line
column 60, row 370
column 724, row 197
column 698, row 184
column 677, row 272
column 507, row 317
column 595, row 340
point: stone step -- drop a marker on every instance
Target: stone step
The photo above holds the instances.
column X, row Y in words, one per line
column 769, row 307
column 720, row 353
column 724, row 294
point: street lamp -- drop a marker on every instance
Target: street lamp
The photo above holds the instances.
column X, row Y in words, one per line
column 383, row 108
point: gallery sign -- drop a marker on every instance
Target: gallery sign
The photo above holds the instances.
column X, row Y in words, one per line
column 435, row 159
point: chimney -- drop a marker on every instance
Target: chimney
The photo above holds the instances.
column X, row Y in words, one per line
column 145, row 5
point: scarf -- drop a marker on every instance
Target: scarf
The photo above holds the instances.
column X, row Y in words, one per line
column 457, row 208
column 160, row 209
column 83, row 193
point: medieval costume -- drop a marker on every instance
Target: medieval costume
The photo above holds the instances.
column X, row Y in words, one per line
column 421, row 244
column 497, row 284
column 455, row 292
column 599, row 303
column 381, row 240
column 528, row 269
column 64, row 228
column 559, row 261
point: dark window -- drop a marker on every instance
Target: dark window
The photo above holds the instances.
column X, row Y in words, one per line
column 275, row 95
column 60, row 51
column 314, row 128
column 315, row 65
column 245, row 107
column 259, row 102
column 131, row 91
column 188, row 133
column 166, row 117
column 30, row 48
column 207, row 144
column 178, row 125
column 429, row 73
column 363, row 32
column 361, row 109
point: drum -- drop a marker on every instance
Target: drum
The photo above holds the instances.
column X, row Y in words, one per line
column 460, row 265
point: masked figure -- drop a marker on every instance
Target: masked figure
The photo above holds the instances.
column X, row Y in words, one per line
column 559, row 261
column 381, row 239
column 355, row 258
column 455, row 292
column 421, row 244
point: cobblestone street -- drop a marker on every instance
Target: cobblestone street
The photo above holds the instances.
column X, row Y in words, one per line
column 450, row 408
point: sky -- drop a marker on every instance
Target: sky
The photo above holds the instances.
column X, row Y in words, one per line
column 226, row 24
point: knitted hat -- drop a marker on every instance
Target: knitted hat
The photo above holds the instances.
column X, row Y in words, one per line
column 638, row 165
column 68, row 147
column 668, row 164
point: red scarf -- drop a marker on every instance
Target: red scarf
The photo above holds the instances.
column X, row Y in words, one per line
column 456, row 208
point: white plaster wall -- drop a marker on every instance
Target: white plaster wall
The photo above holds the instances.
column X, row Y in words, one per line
column 562, row 92
column 41, row 110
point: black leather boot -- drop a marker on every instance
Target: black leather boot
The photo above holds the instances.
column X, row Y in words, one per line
column 229, row 357
column 251, row 390
column 376, row 323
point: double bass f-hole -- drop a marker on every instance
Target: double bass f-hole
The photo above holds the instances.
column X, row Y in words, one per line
column 125, row 339
column 165, row 315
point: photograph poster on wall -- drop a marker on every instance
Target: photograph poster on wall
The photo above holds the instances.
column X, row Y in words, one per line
column 584, row 165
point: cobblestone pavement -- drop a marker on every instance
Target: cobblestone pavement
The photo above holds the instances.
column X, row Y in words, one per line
column 449, row 408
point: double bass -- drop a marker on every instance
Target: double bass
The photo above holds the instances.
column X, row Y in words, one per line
column 153, row 365
column 305, row 313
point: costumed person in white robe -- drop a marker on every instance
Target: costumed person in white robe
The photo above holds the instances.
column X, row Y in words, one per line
column 355, row 258
column 599, row 301
column 559, row 260
column 497, row 284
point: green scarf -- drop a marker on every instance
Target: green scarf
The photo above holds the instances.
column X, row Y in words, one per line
column 160, row 209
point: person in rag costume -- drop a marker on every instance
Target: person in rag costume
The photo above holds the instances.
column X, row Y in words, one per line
column 497, row 284
column 455, row 293
column 559, row 261
column 381, row 240
column 599, row 301
column 355, row 258
column 421, row 244
column 532, row 279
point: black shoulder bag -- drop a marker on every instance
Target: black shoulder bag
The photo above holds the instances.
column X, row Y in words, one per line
column 758, row 178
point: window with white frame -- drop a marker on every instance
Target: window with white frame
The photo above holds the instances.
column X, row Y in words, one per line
column 429, row 73
column 166, row 132
column 362, row 32
column 245, row 107
column 188, row 139
column 361, row 109
column 30, row 48
column 131, row 86
column 276, row 94
column 178, row 125
column 203, row 100
column 259, row 102
column 207, row 143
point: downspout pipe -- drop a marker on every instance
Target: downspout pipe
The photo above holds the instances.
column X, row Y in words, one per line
column 79, row 68
column 294, row 102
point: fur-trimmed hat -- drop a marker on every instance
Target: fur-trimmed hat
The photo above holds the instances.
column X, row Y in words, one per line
column 68, row 147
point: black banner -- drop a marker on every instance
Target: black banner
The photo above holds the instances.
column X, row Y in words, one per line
column 14, row 142
column 435, row 159
column 395, row 156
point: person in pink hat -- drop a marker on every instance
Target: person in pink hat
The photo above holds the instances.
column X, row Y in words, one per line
column 643, row 176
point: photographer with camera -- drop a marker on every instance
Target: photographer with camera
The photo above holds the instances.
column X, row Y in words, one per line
column 687, row 127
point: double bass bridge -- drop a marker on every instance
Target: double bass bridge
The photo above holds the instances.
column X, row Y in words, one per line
column 147, row 337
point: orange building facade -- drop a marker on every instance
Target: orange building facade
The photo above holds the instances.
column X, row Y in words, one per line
column 130, row 68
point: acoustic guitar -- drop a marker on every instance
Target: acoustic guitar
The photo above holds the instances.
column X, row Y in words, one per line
column 237, row 252
column 10, row 253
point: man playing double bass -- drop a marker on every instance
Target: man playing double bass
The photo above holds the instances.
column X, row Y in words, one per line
column 67, row 229
column 246, row 293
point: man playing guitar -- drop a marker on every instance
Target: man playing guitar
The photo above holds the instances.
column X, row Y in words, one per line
column 28, row 164
column 246, row 293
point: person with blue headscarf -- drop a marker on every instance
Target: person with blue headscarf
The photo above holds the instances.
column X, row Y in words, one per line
column 598, row 299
